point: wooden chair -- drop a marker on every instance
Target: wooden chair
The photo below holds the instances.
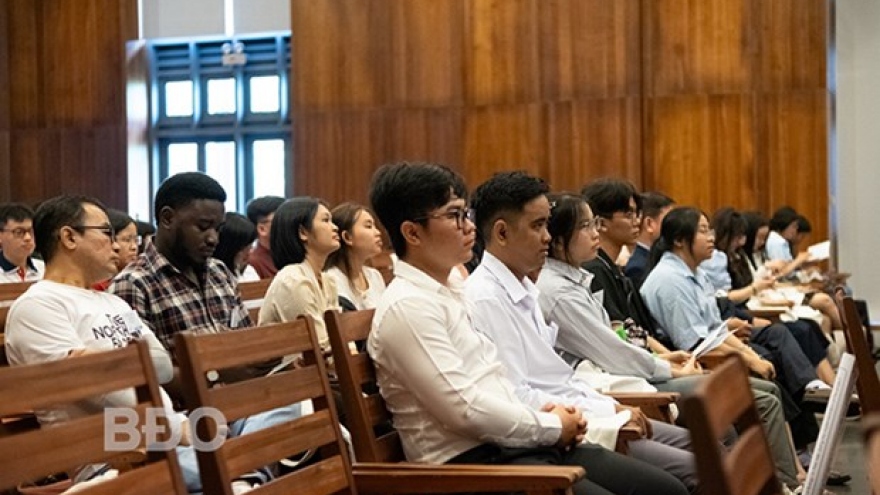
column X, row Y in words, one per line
column 256, row 290
column 10, row 292
column 871, row 425
column 29, row 455
column 318, row 432
column 867, row 382
column 722, row 400
column 369, row 422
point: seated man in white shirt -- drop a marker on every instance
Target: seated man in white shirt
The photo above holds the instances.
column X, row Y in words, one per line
column 449, row 395
column 512, row 212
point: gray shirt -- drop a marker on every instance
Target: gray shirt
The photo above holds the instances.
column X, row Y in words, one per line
column 585, row 328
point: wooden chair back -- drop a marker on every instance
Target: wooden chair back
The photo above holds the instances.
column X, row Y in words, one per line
column 10, row 292
column 722, row 400
column 871, row 425
column 33, row 454
column 867, row 383
column 373, row 437
column 319, row 431
column 252, row 291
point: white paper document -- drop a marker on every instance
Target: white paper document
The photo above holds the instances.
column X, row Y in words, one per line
column 820, row 251
column 714, row 338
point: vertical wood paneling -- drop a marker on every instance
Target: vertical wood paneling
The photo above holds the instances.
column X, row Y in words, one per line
column 66, row 90
column 793, row 41
column 501, row 52
column 795, row 125
column 676, row 95
column 427, row 57
column 503, row 138
column 4, row 101
column 589, row 48
column 695, row 46
column 702, row 150
column 341, row 53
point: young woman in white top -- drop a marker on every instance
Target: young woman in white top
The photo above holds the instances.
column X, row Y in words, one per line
column 359, row 286
column 301, row 238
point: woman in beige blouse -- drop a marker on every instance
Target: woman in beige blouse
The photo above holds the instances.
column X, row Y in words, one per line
column 301, row 238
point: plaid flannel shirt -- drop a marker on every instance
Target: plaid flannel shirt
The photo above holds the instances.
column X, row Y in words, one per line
column 169, row 302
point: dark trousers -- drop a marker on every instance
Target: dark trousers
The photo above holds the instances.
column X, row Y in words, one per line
column 793, row 370
column 810, row 338
column 608, row 473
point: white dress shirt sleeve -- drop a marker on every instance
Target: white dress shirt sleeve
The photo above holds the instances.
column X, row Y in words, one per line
column 412, row 342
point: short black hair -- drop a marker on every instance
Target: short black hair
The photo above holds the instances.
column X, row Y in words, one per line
column 284, row 242
column 407, row 191
column 804, row 226
column 145, row 228
column 566, row 211
column 653, row 203
column 181, row 189
column 17, row 212
column 608, row 195
column 238, row 232
column 118, row 219
column 260, row 208
column 55, row 213
column 503, row 194
column 782, row 218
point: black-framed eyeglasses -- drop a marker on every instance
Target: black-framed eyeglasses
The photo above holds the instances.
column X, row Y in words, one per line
column 632, row 214
column 19, row 232
column 105, row 229
column 457, row 214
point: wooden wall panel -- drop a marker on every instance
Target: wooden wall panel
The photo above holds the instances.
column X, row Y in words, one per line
column 695, row 46
column 795, row 126
column 676, row 95
column 503, row 138
column 589, row 48
column 591, row 139
column 66, row 90
column 4, row 101
column 501, row 52
column 793, row 44
column 701, row 150
column 427, row 56
column 341, row 51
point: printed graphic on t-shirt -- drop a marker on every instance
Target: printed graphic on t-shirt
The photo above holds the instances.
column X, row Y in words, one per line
column 118, row 329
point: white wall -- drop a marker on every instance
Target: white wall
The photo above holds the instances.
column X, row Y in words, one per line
column 194, row 18
column 857, row 178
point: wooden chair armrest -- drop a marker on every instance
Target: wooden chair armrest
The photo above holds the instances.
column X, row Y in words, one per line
column 655, row 405
column 377, row 478
column 771, row 314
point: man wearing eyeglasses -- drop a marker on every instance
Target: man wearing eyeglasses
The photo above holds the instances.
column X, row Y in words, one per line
column 17, row 244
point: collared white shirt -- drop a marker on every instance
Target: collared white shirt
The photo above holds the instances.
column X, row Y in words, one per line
column 10, row 273
column 441, row 380
column 507, row 311
column 585, row 328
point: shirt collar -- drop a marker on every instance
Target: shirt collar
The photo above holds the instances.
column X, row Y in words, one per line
column 571, row 273
column 680, row 267
column 420, row 279
column 7, row 265
column 517, row 290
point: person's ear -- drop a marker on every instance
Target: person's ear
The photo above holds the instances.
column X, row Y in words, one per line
column 264, row 228
column 410, row 233
column 303, row 234
column 346, row 237
column 166, row 217
column 500, row 231
column 66, row 237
